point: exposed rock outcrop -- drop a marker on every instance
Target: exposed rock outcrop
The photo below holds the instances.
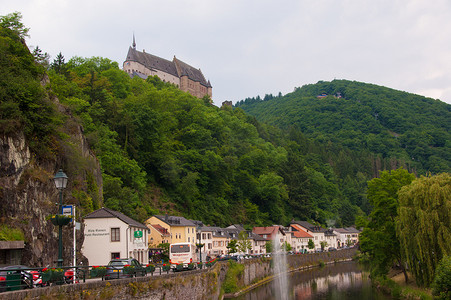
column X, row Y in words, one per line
column 28, row 195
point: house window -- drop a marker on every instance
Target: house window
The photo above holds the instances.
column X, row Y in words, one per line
column 115, row 255
column 188, row 240
column 115, row 235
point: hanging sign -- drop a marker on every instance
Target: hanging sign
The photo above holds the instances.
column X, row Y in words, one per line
column 68, row 210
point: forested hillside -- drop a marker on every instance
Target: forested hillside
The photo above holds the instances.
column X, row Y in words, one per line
column 162, row 150
column 392, row 124
column 38, row 136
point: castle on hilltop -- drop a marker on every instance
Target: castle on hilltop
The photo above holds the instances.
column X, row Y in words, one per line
column 184, row 76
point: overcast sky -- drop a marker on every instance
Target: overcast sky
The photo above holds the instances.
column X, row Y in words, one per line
column 256, row 47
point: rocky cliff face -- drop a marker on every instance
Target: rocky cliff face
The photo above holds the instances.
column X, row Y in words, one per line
column 28, row 195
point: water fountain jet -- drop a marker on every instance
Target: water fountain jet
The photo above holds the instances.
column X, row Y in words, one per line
column 280, row 269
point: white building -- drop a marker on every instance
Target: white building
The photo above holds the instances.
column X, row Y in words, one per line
column 110, row 234
column 300, row 239
column 346, row 236
column 258, row 243
column 205, row 236
column 319, row 234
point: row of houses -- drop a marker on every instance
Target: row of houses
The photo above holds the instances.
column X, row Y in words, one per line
column 110, row 234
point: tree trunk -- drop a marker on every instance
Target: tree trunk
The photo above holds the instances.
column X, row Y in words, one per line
column 403, row 269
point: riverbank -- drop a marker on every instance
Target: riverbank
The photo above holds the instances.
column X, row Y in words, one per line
column 396, row 286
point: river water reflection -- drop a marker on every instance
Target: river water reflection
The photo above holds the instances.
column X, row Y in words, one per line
column 344, row 280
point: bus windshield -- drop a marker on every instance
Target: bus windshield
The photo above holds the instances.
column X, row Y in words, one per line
column 180, row 248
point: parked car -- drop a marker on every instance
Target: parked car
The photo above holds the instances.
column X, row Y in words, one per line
column 332, row 249
column 227, row 257
column 15, row 277
column 124, row 268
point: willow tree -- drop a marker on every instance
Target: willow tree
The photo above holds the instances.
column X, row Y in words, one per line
column 424, row 224
column 378, row 239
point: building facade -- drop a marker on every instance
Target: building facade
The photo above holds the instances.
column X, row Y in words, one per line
column 300, row 238
column 320, row 235
column 180, row 229
column 110, row 234
column 177, row 72
column 348, row 236
column 271, row 233
column 157, row 235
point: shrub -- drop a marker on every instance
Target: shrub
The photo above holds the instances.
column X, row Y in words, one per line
column 441, row 287
column 11, row 234
column 234, row 273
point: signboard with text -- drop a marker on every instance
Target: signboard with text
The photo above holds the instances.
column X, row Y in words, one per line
column 68, row 210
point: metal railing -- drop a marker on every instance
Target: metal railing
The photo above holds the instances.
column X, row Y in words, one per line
column 20, row 277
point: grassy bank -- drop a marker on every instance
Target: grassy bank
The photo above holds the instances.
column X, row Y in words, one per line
column 396, row 286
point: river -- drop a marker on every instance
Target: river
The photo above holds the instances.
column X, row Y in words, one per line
column 346, row 280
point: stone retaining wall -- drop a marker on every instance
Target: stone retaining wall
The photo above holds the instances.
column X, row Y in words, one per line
column 200, row 284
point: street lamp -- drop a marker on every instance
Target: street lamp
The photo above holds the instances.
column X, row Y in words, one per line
column 60, row 181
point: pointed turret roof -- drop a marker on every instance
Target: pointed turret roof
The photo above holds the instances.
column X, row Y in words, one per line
column 152, row 62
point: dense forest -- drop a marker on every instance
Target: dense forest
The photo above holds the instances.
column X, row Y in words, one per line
column 164, row 151
column 359, row 116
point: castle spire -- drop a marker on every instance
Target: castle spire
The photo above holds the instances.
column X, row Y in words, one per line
column 134, row 43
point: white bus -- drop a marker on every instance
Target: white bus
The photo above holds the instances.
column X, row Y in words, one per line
column 182, row 254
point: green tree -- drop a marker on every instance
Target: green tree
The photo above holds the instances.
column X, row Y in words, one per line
column 441, row 287
column 244, row 243
column 232, row 246
column 378, row 239
column 286, row 246
column 424, row 224
column 41, row 57
column 311, row 244
column 58, row 64
column 165, row 251
column 269, row 247
column 13, row 22
column 323, row 245
column 272, row 195
column 23, row 103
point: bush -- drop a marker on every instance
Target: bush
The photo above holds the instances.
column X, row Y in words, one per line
column 441, row 287
column 11, row 234
column 234, row 273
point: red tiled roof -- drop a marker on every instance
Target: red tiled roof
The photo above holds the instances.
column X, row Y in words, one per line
column 265, row 230
column 160, row 229
column 299, row 232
